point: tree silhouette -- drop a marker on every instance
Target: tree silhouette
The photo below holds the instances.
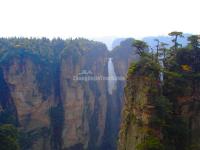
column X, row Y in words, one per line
column 141, row 46
column 176, row 34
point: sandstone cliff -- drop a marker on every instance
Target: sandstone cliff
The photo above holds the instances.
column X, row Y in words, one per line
column 141, row 92
column 42, row 96
column 162, row 114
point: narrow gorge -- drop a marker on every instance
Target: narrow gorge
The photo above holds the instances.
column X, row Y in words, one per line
column 75, row 94
column 42, row 93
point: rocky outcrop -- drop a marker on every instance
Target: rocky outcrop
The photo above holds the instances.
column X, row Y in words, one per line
column 123, row 55
column 24, row 76
column 141, row 91
column 54, row 93
column 84, row 102
column 42, row 95
column 162, row 114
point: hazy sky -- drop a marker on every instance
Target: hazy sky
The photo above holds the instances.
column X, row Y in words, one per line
column 98, row 18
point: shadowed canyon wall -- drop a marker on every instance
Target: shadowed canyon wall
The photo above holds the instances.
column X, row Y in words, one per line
column 42, row 94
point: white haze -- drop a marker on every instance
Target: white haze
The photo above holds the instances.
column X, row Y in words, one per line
column 97, row 18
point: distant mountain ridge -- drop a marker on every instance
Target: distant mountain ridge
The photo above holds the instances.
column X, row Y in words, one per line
column 112, row 42
column 117, row 42
column 166, row 39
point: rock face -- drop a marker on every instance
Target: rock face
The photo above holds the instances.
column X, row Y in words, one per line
column 139, row 107
column 22, row 75
column 162, row 114
column 116, row 42
column 84, row 102
column 43, row 94
column 123, row 55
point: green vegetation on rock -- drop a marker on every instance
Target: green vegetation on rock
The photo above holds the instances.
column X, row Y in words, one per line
column 162, row 93
column 9, row 137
